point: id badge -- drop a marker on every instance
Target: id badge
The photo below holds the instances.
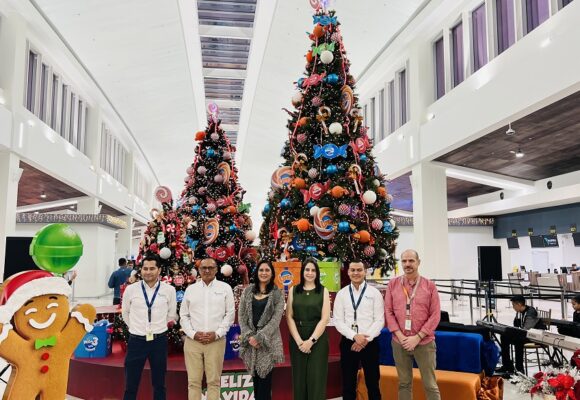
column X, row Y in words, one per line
column 354, row 327
column 149, row 336
column 407, row 324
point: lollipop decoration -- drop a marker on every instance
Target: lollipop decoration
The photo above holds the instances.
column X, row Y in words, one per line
column 213, row 110
column 324, row 224
column 224, row 170
column 163, row 194
column 346, row 99
column 56, row 248
column 211, row 231
column 282, row 177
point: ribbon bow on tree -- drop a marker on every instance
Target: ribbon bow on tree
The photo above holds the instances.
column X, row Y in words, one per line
column 323, row 20
column 324, row 46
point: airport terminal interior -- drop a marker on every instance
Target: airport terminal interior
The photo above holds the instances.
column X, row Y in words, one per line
column 336, row 129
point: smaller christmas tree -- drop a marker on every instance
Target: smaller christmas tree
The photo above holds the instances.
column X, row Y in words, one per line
column 215, row 218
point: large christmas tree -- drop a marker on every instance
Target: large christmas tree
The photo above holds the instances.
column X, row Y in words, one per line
column 328, row 198
column 211, row 208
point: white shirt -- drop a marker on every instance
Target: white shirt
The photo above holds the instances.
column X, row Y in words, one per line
column 207, row 308
column 370, row 316
column 134, row 308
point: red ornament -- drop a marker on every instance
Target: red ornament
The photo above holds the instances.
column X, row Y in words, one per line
column 309, row 57
column 200, row 135
column 301, row 138
column 369, row 251
column 344, row 209
column 315, row 192
column 318, row 31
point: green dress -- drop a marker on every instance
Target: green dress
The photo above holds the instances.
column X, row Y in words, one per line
column 309, row 371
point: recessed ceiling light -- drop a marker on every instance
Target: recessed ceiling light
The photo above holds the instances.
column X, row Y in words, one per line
column 43, row 195
column 519, row 153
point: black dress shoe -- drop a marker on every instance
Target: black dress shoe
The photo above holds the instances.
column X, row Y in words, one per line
column 504, row 370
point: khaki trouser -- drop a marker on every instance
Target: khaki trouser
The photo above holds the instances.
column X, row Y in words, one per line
column 204, row 357
column 426, row 361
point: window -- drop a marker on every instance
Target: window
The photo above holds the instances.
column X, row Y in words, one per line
column 365, row 115
column 403, row 97
column 31, row 80
column 140, row 185
column 113, row 155
column 479, row 38
column 64, row 108
column 564, row 3
column 44, row 86
column 372, row 118
column 72, row 119
column 439, row 68
column 54, row 102
column 535, row 12
column 505, row 24
column 81, row 125
column 381, row 132
column 457, row 54
column 391, row 96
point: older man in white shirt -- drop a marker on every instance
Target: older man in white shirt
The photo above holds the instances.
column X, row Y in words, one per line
column 359, row 317
column 148, row 308
column 207, row 312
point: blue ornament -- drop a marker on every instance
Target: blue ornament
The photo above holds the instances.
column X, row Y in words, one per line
column 363, row 158
column 311, row 249
column 310, row 204
column 195, row 209
column 344, row 227
column 233, row 228
column 285, row 203
column 330, row 151
column 192, row 243
column 179, row 295
column 210, row 153
column 331, row 169
column 297, row 244
column 332, row 79
column 267, row 208
column 299, row 82
column 387, row 227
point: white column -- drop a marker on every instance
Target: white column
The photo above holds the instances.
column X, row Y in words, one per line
column 125, row 239
column 13, row 65
column 88, row 205
column 430, row 220
column 10, row 173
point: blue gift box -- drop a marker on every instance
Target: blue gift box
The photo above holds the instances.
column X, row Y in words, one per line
column 97, row 343
column 232, row 343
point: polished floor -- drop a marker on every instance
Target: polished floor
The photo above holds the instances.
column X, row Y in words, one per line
column 459, row 311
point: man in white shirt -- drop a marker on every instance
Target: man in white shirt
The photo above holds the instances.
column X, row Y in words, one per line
column 148, row 307
column 359, row 317
column 207, row 312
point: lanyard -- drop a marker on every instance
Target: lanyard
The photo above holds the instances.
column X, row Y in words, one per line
column 409, row 299
column 150, row 304
column 355, row 306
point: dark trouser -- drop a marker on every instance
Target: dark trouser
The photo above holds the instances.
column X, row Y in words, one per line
column 349, row 363
column 116, row 300
column 263, row 387
column 139, row 350
column 506, row 359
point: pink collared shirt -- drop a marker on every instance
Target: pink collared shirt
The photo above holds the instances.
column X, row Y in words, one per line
column 425, row 308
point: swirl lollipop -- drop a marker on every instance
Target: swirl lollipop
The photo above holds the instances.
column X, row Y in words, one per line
column 346, row 99
column 211, row 231
column 224, row 170
column 213, row 110
column 324, row 224
column 282, row 177
column 163, row 194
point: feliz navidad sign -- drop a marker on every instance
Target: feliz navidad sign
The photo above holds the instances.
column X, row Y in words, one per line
column 235, row 386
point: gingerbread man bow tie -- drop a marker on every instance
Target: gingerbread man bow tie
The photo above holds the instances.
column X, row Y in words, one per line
column 40, row 343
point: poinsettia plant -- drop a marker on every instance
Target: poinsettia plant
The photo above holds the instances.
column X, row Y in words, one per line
column 562, row 384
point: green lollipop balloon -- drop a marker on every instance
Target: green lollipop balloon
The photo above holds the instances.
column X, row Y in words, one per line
column 56, row 248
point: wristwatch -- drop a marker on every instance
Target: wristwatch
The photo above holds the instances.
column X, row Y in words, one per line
column 314, row 340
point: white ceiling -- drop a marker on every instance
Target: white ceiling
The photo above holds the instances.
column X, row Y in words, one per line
column 138, row 53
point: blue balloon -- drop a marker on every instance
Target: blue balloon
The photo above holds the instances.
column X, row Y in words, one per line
column 331, row 169
column 267, row 208
column 333, row 79
column 343, row 226
column 285, row 203
column 310, row 204
column 311, row 249
column 210, row 153
column 363, row 158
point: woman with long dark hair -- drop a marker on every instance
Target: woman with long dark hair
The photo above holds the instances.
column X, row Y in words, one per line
column 260, row 312
column 307, row 313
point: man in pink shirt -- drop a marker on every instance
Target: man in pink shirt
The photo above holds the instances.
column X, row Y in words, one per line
column 412, row 312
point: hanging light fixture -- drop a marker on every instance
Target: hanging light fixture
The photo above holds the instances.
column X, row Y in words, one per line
column 510, row 131
column 42, row 195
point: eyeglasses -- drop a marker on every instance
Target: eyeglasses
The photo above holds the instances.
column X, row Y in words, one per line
column 207, row 268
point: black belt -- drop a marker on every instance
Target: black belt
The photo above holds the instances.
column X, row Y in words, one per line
column 155, row 335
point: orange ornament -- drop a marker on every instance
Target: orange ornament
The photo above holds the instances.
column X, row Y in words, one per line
column 338, row 192
column 299, row 183
column 318, row 31
column 230, row 210
column 382, row 191
column 302, row 224
column 200, row 135
column 303, row 121
column 309, row 57
column 364, row 236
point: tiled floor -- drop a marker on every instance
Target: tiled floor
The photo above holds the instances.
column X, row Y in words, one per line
column 459, row 311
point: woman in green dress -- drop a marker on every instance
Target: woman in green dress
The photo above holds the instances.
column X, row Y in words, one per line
column 308, row 312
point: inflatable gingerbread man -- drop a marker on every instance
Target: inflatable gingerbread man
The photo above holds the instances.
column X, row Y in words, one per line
column 38, row 334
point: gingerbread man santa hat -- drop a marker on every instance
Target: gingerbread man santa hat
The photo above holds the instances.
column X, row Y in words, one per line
column 21, row 287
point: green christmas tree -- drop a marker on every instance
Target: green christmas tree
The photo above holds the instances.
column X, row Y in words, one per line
column 328, row 198
column 216, row 220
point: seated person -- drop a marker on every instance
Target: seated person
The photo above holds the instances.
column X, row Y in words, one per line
column 576, row 307
column 526, row 318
